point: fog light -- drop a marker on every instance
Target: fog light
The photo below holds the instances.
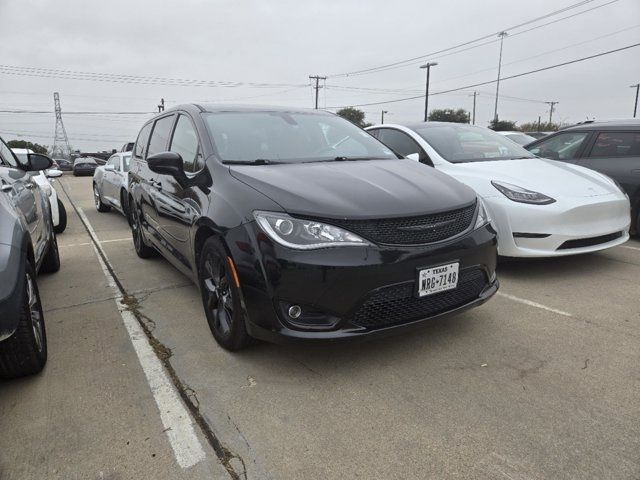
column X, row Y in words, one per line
column 295, row 311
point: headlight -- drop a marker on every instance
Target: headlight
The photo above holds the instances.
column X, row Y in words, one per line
column 304, row 234
column 483, row 217
column 522, row 195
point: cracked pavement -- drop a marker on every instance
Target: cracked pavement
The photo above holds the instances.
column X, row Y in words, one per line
column 503, row 391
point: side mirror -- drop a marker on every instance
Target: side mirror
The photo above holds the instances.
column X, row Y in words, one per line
column 37, row 162
column 168, row 163
column 53, row 173
column 414, row 156
column 109, row 168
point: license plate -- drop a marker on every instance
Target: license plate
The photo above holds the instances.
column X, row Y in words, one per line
column 437, row 279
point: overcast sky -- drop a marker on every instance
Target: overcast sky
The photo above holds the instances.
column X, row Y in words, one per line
column 282, row 42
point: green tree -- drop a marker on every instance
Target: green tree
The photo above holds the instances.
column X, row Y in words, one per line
column 449, row 115
column 543, row 127
column 353, row 115
column 37, row 148
column 502, row 125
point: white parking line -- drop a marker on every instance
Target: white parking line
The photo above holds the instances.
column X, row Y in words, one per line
column 534, row 304
column 630, row 248
column 176, row 420
column 99, row 241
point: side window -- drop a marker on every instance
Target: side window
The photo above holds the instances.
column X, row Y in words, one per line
column 616, row 144
column 160, row 135
column 185, row 142
column 563, row 146
column 115, row 161
column 140, row 148
column 400, row 142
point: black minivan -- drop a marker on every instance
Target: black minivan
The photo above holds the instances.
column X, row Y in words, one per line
column 298, row 225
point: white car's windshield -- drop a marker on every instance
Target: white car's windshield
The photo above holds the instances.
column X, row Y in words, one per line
column 459, row 143
column 283, row 137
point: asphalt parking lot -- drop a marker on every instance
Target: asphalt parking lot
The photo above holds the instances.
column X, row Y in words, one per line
column 542, row 382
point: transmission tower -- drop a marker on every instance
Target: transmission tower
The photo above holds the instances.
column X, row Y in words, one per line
column 61, row 148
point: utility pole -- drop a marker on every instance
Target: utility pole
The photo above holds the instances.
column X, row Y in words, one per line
column 61, row 148
column 426, row 97
column 475, row 94
column 539, row 120
column 551, row 104
column 635, row 105
column 495, row 110
column 382, row 118
column 317, row 88
column 161, row 105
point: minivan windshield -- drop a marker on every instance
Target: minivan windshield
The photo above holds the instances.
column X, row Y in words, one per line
column 290, row 137
column 458, row 143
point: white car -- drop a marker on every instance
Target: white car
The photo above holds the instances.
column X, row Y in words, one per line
column 110, row 184
column 44, row 179
column 539, row 207
column 519, row 137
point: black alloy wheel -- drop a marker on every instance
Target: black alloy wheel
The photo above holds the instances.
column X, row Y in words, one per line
column 142, row 249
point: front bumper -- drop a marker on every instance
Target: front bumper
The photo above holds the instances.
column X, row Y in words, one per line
column 569, row 226
column 12, row 265
column 342, row 284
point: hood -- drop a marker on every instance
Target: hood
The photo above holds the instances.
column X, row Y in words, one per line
column 356, row 189
column 553, row 178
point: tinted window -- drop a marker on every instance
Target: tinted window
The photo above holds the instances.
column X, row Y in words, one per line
column 140, row 150
column 560, row 147
column 185, row 142
column 616, row 144
column 6, row 155
column 466, row 143
column 399, row 142
column 160, row 135
column 290, row 137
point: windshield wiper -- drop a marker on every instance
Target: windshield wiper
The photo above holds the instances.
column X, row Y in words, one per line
column 257, row 161
column 345, row 159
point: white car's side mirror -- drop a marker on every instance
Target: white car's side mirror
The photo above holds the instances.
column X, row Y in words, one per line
column 109, row 168
column 414, row 156
column 53, row 173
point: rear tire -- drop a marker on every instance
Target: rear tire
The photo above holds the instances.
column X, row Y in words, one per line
column 142, row 249
column 62, row 218
column 25, row 352
column 101, row 207
column 221, row 297
column 51, row 260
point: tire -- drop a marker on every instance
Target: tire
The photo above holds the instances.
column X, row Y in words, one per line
column 25, row 352
column 51, row 260
column 101, row 207
column 143, row 250
column 124, row 205
column 62, row 218
column 221, row 297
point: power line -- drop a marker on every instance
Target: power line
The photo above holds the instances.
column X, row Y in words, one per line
column 78, row 113
column 488, row 82
column 470, row 42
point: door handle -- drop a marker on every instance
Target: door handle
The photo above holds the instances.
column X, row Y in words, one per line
column 28, row 185
column 7, row 188
column 157, row 185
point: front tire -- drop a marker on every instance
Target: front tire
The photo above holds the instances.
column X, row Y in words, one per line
column 62, row 218
column 221, row 297
column 101, row 207
column 25, row 352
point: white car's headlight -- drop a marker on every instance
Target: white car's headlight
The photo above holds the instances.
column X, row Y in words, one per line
column 304, row 234
column 522, row 195
column 483, row 217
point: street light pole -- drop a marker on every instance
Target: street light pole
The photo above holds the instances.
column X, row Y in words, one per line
column 495, row 111
column 635, row 105
column 382, row 119
column 426, row 97
column 475, row 94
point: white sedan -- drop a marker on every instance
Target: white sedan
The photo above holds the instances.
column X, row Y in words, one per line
column 110, row 184
column 44, row 179
column 539, row 207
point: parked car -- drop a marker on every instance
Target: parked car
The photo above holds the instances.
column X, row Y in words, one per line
column 518, row 137
column 27, row 245
column 110, row 184
column 540, row 208
column 127, row 147
column 45, row 179
column 298, row 225
column 611, row 148
column 64, row 165
column 538, row 135
column 84, row 166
